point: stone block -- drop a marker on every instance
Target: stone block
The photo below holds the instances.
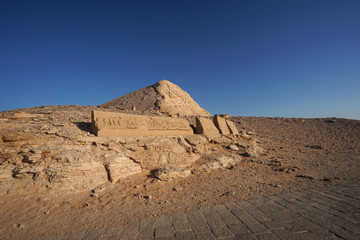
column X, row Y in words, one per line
column 105, row 124
column 232, row 127
column 220, row 123
column 205, row 126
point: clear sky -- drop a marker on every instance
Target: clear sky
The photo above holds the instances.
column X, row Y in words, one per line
column 287, row 58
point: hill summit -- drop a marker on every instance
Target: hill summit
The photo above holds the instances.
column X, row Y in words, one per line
column 162, row 97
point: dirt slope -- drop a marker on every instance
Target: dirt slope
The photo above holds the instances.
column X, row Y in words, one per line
column 164, row 97
column 298, row 154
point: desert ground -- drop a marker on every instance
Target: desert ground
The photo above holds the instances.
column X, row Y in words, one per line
column 296, row 154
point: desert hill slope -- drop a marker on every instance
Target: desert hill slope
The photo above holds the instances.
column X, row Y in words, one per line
column 53, row 179
column 162, row 97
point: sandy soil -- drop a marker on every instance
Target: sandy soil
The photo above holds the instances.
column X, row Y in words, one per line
column 300, row 153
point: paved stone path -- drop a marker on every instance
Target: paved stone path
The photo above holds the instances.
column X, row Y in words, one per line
column 322, row 213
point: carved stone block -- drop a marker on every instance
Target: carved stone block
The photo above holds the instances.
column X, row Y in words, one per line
column 205, row 126
column 220, row 123
column 129, row 125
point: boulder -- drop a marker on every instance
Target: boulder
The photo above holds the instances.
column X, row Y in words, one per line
column 205, row 126
column 232, row 127
column 167, row 173
column 233, row 147
column 221, row 124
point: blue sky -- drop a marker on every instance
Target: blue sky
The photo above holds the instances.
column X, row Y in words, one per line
column 246, row 58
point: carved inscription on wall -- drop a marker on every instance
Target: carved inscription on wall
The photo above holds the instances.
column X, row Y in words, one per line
column 121, row 121
column 124, row 125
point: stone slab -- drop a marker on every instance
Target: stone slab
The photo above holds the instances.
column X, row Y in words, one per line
column 220, row 123
column 109, row 124
column 205, row 126
column 232, row 127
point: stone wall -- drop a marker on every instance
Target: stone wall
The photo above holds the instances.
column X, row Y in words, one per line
column 129, row 125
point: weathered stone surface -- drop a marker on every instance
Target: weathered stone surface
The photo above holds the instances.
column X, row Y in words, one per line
column 155, row 152
column 56, row 152
column 220, row 123
column 232, row 127
column 220, row 139
column 220, row 161
column 233, row 147
column 168, row 173
column 118, row 167
column 78, row 176
column 128, row 125
column 205, row 126
column 162, row 97
column 254, row 150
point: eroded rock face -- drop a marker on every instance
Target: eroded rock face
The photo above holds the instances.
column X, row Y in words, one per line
column 56, row 151
column 119, row 167
column 154, row 152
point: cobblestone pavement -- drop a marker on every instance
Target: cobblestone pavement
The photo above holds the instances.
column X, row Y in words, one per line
column 322, row 213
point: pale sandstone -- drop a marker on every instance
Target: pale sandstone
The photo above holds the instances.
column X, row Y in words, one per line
column 155, row 152
column 119, row 167
column 233, row 147
column 220, row 139
column 255, row 150
column 232, row 127
column 220, row 123
column 205, row 126
column 167, row 173
column 129, row 125
column 161, row 97
column 71, row 159
column 196, row 140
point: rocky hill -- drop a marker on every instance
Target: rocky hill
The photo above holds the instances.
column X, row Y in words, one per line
column 161, row 97
column 57, row 178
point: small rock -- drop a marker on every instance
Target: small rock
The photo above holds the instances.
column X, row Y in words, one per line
column 18, row 225
column 326, row 179
column 305, row 176
column 52, row 131
column 228, row 193
column 330, row 120
column 274, row 185
column 233, row 147
column 227, row 116
column 167, row 173
column 147, row 197
column 98, row 189
column 94, row 195
column 177, row 189
column 314, row 146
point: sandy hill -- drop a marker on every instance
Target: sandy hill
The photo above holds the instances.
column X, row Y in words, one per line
column 161, row 97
